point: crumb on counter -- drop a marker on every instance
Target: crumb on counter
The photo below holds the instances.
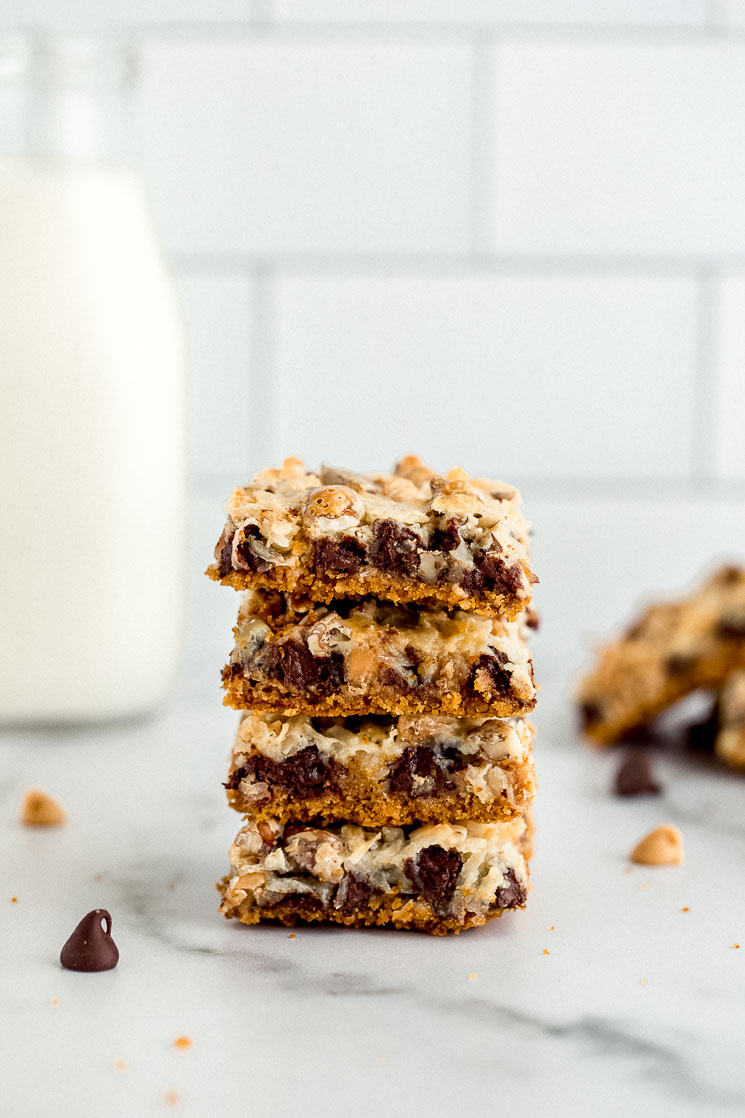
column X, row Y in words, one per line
column 685, row 908
column 120, row 1065
column 172, row 1098
column 55, row 1001
column 14, row 900
column 545, row 951
column 183, row 1042
column 472, row 975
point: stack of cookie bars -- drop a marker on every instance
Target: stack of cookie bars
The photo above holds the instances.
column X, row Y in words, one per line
column 382, row 762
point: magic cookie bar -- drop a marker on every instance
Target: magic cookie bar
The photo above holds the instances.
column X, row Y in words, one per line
column 374, row 657
column 408, row 536
column 381, row 771
column 673, row 649
column 432, row 879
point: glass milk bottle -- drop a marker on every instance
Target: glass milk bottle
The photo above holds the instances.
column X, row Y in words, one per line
column 92, row 440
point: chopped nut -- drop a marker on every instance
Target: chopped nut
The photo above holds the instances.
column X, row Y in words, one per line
column 661, row 847
column 40, row 809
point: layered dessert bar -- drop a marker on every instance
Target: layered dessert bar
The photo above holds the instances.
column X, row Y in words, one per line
column 374, row 657
column 409, row 536
column 381, row 771
column 674, row 648
column 435, row 879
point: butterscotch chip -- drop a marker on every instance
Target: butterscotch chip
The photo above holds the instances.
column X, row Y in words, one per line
column 661, row 847
column 40, row 809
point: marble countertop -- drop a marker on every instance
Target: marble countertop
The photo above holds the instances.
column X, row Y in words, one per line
column 603, row 998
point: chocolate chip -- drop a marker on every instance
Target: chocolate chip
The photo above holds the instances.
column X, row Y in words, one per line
column 302, row 772
column 339, row 555
column 434, row 873
column 678, row 663
column 511, row 894
column 224, row 551
column 90, row 947
column 445, row 538
column 733, row 627
column 297, row 902
column 424, row 770
column 292, row 663
column 490, row 573
column 702, row 735
column 493, row 665
column 590, row 712
column 245, row 558
column 353, row 892
column 394, row 548
column 635, row 777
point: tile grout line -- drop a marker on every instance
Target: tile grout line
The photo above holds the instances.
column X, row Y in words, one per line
column 323, row 263
column 706, row 377
column 261, row 23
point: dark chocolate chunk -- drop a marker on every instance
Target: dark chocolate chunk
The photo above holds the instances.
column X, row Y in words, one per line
column 297, row 902
column 490, row 573
column 394, row 548
column 590, row 712
column 434, row 873
column 511, row 894
column 636, row 777
column 445, row 538
column 494, row 666
column 293, row 664
column 678, row 663
column 424, row 770
column 90, row 947
column 339, row 555
column 702, row 735
column 246, row 558
column 733, row 627
column 353, row 892
column 302, row 772
column 224, row 551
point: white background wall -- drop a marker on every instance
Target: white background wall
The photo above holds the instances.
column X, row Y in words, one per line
column 509, row 233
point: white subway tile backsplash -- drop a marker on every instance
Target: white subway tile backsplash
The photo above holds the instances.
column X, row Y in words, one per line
column 732, row 12
column 553, row 12
column 218, row 320
column 570, row 376
column 619, row 148
column 265, row 146
column 729, row 388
